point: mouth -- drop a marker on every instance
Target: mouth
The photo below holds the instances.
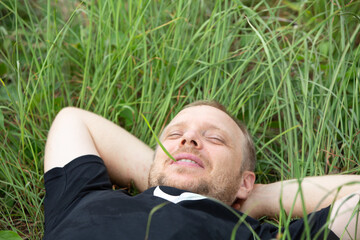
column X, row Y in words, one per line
column 188, row 159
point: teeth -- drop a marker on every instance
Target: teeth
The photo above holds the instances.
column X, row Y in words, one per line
column 187, row 160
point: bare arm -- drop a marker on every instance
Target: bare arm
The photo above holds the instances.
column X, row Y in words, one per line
column 315, row 192
column 345, row 217
column 308, row 195
column 76, row 132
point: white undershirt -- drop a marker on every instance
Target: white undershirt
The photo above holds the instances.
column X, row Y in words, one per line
column 176, row 199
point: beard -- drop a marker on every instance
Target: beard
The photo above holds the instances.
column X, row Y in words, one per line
column 222, row 187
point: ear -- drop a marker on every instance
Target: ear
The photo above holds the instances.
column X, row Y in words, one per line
column 246, row 186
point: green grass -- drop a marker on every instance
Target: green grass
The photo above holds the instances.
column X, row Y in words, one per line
column 289, row 70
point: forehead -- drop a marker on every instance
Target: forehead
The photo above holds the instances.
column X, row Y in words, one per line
column 207, row 117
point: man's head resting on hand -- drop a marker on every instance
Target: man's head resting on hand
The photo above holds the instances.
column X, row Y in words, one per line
column 214, row 154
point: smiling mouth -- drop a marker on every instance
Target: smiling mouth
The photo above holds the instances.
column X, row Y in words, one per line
column 187, row 160
column 187, row 163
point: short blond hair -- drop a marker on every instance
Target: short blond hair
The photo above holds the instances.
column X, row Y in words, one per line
column 249, row 155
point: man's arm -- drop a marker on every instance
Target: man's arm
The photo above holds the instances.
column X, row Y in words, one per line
column 76, row 132
column 315, row 192
column 345, row 217
column 299, row 198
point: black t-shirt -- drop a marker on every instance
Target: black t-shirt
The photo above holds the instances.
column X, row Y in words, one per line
column 80, row 204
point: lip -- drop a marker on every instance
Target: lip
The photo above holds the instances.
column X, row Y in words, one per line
column 189, row 156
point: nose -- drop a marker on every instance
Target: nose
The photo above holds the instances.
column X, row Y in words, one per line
column 191, row 142
column 190, row 138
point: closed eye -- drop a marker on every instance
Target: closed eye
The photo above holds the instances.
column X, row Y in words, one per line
column 174, row 135
column 216, row 140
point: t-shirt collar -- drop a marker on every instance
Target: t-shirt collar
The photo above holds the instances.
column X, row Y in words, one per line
column 167, row 193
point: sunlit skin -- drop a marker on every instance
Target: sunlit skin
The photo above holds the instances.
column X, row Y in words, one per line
column 207, row 146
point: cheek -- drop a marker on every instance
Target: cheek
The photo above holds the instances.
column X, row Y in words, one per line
column 168, row 145
column 160, row 156
column 225, row 161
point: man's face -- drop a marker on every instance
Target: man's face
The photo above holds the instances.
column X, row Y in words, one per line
column 206, row 144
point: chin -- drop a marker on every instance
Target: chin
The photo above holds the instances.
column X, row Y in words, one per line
column 181, row 182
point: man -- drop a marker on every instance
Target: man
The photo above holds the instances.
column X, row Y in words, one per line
column 206, row 175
